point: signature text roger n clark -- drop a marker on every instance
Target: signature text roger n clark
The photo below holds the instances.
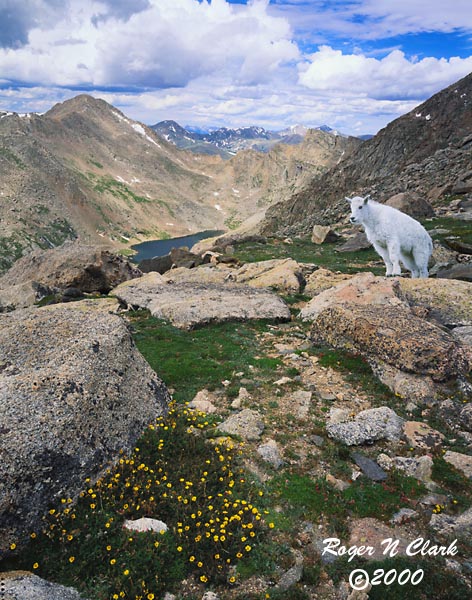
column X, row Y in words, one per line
column 418, row 547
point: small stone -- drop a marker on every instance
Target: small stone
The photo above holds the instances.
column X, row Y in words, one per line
column 385, row 462
column 203, row 402
column 338, row 484
column 369, row 426
column 283, row 381
column 270, row 453
column 317, row 440
column 301, row 402
column 369, row 467
column 448, row 525
column 403, row 516
column 145, row 524
column 293, row 575
column 323, row 234
column 210, row 596
column 339, row 415
column 327, row 396
column 420, row 468
column 248, row 424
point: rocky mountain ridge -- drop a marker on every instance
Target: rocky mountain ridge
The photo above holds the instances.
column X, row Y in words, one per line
column 428, row 150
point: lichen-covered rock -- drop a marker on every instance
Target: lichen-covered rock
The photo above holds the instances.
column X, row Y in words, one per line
column 189, row 305
column 74, row 391
column 421, row 435
column 362, row 289
column 20, row 585
column 323, row 279
column 447, row 301
column 270, row 453
column 393, row 335
column 72, row 265
column 368, row 426
column 450, row 526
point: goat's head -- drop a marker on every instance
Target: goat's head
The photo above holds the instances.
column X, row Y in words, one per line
column 358, row 204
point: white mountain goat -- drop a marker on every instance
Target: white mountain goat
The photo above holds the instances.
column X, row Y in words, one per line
column 395, row 236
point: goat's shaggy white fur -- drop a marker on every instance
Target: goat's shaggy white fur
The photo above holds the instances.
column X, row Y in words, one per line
column 395, row 236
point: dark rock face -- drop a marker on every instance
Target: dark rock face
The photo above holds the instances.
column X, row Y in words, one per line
column 426, row 149
column 177, row 257
column 394, row 336
column 74, row 391
column 71, row 269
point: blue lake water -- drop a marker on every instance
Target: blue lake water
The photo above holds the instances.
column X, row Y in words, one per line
column 161, row 247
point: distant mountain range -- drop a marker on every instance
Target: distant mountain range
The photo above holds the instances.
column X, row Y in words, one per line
column 227, row 142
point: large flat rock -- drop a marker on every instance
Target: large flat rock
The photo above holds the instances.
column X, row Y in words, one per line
column 188, row 305
column 364, row 289
column 74, row 391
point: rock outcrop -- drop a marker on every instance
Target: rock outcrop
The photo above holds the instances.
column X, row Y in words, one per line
column 394, row 336
column 74, row 391
column 71, row 269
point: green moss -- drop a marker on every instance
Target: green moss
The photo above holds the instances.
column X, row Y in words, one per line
column 203, row 358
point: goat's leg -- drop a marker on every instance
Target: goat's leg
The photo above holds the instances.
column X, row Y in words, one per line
column 383, row 253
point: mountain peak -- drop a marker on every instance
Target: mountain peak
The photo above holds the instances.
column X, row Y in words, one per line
column 80, row 103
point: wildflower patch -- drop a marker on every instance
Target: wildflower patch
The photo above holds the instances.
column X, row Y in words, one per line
column 196, row 488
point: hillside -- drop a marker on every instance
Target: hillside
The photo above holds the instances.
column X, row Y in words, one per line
column 85, row 170
column 427, row 150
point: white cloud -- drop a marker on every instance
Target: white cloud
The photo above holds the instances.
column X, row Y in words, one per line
column 393, row 76
column 373, row 19
column 166, row 44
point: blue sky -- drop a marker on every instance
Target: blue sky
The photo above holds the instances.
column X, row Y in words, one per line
column 352, row 64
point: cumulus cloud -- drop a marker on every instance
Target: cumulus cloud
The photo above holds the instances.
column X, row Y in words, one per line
column 180, row 40
column 18, row 18
column 157, row 44
column 393, row 76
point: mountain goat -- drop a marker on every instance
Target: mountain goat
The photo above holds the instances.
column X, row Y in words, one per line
column 395, row 236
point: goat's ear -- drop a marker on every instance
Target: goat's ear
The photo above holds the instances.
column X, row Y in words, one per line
column 348, row 199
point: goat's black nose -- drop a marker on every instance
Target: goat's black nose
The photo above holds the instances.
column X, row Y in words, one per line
column 352, row 219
